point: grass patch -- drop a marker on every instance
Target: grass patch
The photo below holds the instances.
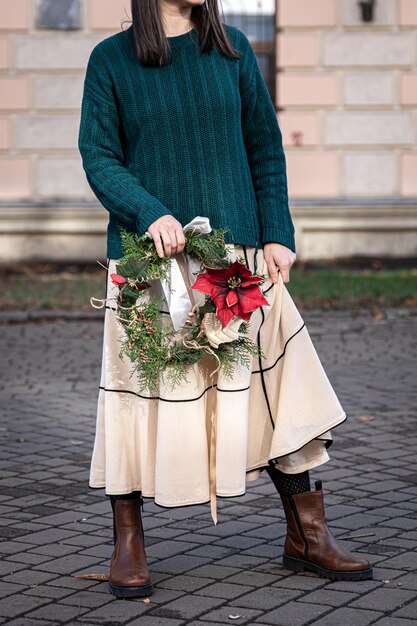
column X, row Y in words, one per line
column 48, row 286
column 341, row 288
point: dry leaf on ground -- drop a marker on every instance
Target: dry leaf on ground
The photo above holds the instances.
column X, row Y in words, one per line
column 93, row 576
column 364, row 418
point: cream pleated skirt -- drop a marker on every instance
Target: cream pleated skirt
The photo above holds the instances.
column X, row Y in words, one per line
column 212, row 434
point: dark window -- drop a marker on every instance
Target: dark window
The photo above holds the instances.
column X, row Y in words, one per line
column 59, row 14
column 260, row 30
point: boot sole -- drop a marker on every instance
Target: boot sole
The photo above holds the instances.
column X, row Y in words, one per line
column 131, row 592
column 298, row 565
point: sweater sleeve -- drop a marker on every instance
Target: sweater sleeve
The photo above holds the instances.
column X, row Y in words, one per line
column 100, row 145
column 263, row 141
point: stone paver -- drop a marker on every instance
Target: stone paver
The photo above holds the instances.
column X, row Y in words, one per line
column 53, row 527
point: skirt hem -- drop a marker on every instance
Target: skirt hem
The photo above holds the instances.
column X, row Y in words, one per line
column 258, row 466
column 340, row 420
column 200, row 502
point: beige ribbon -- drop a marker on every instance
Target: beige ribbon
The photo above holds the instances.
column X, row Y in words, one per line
column 183, row 267
column 178, row 298
column 212, row 409
column 211, row 399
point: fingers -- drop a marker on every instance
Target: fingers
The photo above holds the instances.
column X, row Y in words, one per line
column 181, row 241
column 272, row 269
column 167, row 241
column 279, row 259
column 173, row 241
column 284, row 268
column 168, row 236
column 156, row 236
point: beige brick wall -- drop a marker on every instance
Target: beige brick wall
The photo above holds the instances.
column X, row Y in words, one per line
column 347, row 96
column 41, row 80
column 346, row 102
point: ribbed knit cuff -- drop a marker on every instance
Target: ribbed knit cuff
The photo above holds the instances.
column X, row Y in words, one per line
column 270, row 234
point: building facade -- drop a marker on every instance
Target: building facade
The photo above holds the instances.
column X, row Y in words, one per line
column 345, row 91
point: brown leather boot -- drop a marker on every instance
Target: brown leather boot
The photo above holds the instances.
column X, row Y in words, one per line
column 129, row 574
column 310, row 545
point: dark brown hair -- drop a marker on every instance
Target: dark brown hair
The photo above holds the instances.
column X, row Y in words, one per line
column 152, row 47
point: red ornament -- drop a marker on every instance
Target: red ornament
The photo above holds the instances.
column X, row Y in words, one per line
column 234, row 290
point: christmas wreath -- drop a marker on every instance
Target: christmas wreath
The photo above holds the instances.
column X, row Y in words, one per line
column 217, row 326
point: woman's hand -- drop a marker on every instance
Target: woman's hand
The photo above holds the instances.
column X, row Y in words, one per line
column 168, row 235
column 278, row 257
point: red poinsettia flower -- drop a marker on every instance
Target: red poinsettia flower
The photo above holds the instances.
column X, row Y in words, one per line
column 234, row 290
column 118, row 280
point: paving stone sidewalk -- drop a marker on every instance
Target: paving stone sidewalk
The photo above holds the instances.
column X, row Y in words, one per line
column 53, row 527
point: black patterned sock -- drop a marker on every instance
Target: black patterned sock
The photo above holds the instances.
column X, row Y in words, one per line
column 134, row 495
column 289, row 484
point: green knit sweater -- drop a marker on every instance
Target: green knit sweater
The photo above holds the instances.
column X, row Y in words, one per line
column 198, row 136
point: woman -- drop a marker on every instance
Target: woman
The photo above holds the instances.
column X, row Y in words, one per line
column 177, row 122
